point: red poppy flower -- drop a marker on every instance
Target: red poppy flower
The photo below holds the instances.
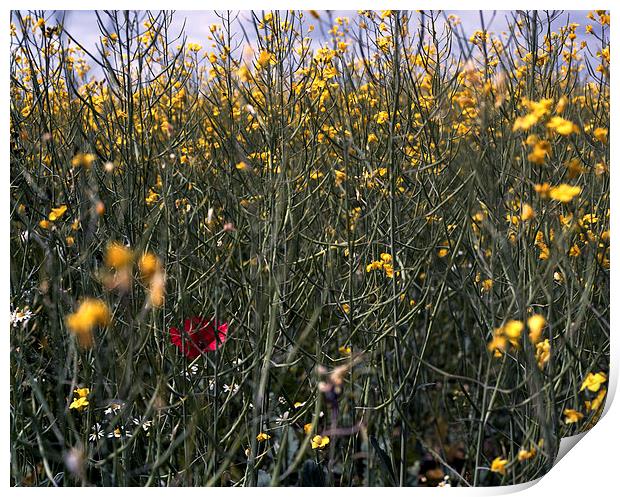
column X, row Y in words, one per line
column 199, row 336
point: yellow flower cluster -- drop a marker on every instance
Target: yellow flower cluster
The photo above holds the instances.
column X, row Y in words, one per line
column 81, row 401
column 385, row 264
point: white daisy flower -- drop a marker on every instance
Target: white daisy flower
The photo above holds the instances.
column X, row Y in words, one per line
column 97, row 433
column 20, row 316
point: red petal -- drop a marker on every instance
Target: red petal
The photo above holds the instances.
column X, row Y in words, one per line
column 175, row 336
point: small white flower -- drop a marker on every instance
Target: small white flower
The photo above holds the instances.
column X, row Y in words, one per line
column 192, row 370
column 145, row 424
column 113, row 408
column 119, row 432
column 21, row 316
column 232, row 388
column 283, row 418
column 97, row 433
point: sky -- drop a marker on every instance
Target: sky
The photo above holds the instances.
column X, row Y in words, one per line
column 82, row 24
column 197, row 22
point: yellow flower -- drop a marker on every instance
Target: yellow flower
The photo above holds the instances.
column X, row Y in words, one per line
column 543, row 353
column 564, row 193
column 83, row 160
column 389, row 270
column 543, row 190
column 264, row 58
column 524, row 123
column 319, row 442
column 540, row 152
column 512, row 330
column 117, row 256
column 536, row 323
column 527, row 212
column 346, row 308
column 574, row 168
column 374, row 265
column 194, row 47
column 601, row 134
column 148, row 264
column 524, row 455
column 79, row 404
column 344, row 350
column 242, row 166
column 559, row 108
column 382, row 117
column 574, row 251
column 262, row 437
column 572, row 416
column 307, row 428
column 44, row 224
column 340, row 176
column 499, row 465
column 498, row 343
column 151, row 198
column 487, row 285
column 593, row 382
column 244, row 73
column 90, row 313
column 57, row 213
column 82, row 392
column 386, row 257
column 597, row 402
column 562, row 126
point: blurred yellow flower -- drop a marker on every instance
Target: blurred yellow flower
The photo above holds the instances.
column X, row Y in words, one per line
column 597, row 402
column 344, row 350
column 601, row 134
column 562, row 126
column 536, row 323
column 572, row 416
column 512, row 330
column 499, row 465
column 83, row 160
column 524, row 455
column 543, row 353
column 148, row 265
column 527, row 212
column 564, row 193
column 264, row 58
column 382, row 117
column 117, row 255
column 90, row 313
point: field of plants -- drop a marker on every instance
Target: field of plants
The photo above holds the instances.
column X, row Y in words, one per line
column 306, row 250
